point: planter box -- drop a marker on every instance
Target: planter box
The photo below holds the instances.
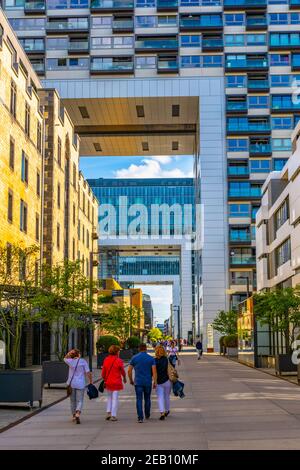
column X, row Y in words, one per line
column 21, row 385
column 232, row 352
column 100, row 359
column 126, row 354
column 283, row 363
column 55, row 372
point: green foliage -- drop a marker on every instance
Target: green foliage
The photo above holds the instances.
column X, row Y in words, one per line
column 222, row 345
column 226, row 322
column 155, row 335
column 133, row 342
column 119, row 320
column 104, row 342
column 230, row 341
column 19, row 277
column 280, row 309
column 105, row 299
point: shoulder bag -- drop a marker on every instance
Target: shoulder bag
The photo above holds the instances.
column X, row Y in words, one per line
column 69, row 387
column 101, row 387
column 172, row 373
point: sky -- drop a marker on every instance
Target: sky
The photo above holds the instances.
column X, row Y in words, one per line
column 142, row 167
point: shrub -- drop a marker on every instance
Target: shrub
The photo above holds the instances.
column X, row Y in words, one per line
column 133, row 342
column 230, row 341
column 104, row 342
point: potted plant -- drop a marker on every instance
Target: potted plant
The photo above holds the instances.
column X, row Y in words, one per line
column 222, row 345
column 231, row 344
column 63, row 303
column 103, row 344
column 18, row 280
column 132, row 345
column 225, row 323
column 280, row 310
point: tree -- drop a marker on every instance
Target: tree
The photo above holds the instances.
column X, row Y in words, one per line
column 19, row 278
column 118, row 320
column 280, row 309
column 64, row 302
column 155, row 335
column 226, row 322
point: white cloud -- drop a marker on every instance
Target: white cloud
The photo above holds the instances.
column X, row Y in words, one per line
column 163, row 159
column 152, row 168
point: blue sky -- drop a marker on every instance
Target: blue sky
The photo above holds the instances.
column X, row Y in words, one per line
column 137, row 167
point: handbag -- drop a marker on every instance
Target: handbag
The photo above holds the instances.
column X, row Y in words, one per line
column 172, row 373
column 101, row 387
column 69, row 387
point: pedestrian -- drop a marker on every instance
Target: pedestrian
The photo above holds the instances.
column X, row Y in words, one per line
column 164, row 385
column 199, row 349
column 172, row 351
column 78, row 371
column 112, row 373
column 144, row 375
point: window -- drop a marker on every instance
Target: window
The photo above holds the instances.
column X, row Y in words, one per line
column 74, row 214
column 236, row 81
column 283, row 253
column 295, row 18
column 27, row 119
column 78, row 63
column 87, row 239
column 237, row 145
column 57, row 64
column 23, row 216
column 12, row 4
column 256, row 39
column 239, row 210
column 8, row 258
column 37, row 227
column 13, row 98
column 58, row 195
column 260, row 166
column 166, row 21
column 282, row 122
column 278, row 163
column 24, row 168
column 281, row 80
column 10, row 206
column 39, row 137
column 117, row 42
column 58, row 236
column 73, row 249
column 38, row 183
column 281, row 60
column 282, row 214
column 74, row 175
column 33, row 45
column 212, row 60
column 28, row 24
column 191, row 61
column 234, row 40
column 145, row 62
column 145, row 4
column 235, row 19
column 22, row 266
column 59, row 151
column 12, row 154
column 278, row 18
column 101, row 22
column 145, row 21
column 57, row 44
column 281, row 145
column 190, row 41
column 258, row 102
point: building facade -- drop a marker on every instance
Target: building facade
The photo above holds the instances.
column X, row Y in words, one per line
column 148, row 311
column 156, row 252
column 278, row 229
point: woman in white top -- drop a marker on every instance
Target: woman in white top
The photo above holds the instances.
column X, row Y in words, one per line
column 78, row 370
column 172, row 351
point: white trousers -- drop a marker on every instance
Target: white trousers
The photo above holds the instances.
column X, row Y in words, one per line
column 112, row 402
column 163, row 395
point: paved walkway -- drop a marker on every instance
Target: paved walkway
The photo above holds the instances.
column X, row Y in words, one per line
column 227, row 406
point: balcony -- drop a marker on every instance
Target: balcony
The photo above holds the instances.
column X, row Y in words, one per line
column 234, row 106
column 33, row 47
column 245, row 4
column 259, row 149
column 246, row 63
column 201, row 23
column 34, row 8
column 239, row 237
column 167, row 5
column 39, row 67
column 239, row 126
column 156, row 45
column 212, row 44
column 242, row 260
column 122, row 25
column 256, row 23
column 255, row 86
column 55, row 27
column 167, row 65
column 238, row 171
column 284, row 41
column 108, row 6
column 295, row 62
column 247, row 192
column 111, row 66
column 294, row 4
column 78, row 47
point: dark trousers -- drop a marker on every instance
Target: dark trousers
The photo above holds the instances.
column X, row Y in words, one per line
column 143, row 392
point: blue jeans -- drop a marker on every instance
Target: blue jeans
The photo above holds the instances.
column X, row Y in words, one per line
column 143, row 391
